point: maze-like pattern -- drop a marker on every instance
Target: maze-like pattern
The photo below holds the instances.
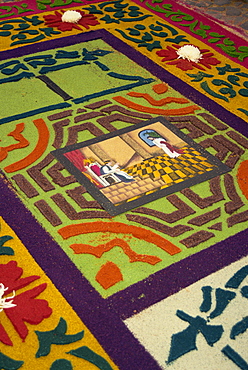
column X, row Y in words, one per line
column 231, row 209
column 49, row 176
column 188, row 219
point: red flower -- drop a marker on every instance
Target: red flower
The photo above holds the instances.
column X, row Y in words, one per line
column 170, row 54
column 55, row 20
column 27, row 308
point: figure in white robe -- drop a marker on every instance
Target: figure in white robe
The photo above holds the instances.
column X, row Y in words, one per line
column 122, row 175
column 169, row 149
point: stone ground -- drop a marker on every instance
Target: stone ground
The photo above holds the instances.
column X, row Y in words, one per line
column 234, row 13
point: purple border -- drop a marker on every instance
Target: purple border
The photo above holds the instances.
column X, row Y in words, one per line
column 218, row 111
column 93, row 310
column 101, row 316
column 179, row 275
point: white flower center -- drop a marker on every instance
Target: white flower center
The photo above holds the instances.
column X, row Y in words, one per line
column 190, row 52
column 71, row 16
column 4, row 302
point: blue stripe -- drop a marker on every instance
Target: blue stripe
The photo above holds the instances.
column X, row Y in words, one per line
column 34, row 112
column 113, row 90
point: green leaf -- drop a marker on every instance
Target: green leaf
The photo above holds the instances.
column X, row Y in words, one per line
column 87, row 354
column 55, row 336
column 167, row 6
column 8, row 363
column 243, row 111
column 201, row 33
column 215, row 34
column 204, row 27
column 243, row 48
column 41, row 6
column 61, row 364
column 213, row 40
column 5, row 250
column 227, row 41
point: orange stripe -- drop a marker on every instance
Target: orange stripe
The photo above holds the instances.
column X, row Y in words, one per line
column 158, row 103
column 243, row 177
column 118, row 227
column 38, row 150
column 117, row 242
column 16, row 134
column 168, row 112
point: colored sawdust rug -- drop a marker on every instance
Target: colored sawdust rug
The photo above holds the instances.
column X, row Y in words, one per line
column 123, row 188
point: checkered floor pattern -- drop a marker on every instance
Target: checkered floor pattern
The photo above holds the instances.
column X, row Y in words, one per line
column 157, row 173
column 189, row 164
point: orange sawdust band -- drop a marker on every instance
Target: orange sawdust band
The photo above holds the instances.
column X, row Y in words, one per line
column 243, row 178
column 118, row 227
column 158, row 103
column 16, row 134
column 168, row 112
column 38, row 150
column 102, row 248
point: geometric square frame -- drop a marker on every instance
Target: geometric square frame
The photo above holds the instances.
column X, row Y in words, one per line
column 154, row 159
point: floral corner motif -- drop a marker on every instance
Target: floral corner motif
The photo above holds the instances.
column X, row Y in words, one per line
column 55, row 21
column 23, row 307
column 170, row 56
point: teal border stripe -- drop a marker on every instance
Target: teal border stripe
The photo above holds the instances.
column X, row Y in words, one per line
column 113, row 90
column 34, row 112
